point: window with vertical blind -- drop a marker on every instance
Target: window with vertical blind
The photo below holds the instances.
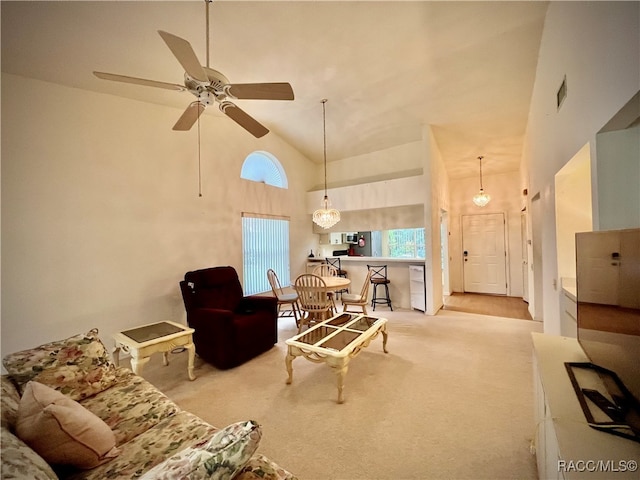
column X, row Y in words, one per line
column 265, row 245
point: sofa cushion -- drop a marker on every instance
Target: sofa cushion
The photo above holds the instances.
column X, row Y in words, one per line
column 61, row 430
column 9, row 401
column 143, row 452
column 131, row 407
column 260, row 467
column 20, row 461
column 221, row 458
column 77, row 366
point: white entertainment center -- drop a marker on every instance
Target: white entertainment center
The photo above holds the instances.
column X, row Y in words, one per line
column 566, row 446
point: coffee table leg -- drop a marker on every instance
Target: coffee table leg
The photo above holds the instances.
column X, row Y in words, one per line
column 341, row 372
column 289, row 363
column 384, row 339
column 116, row 355
column 191, row 352
column 138, row 363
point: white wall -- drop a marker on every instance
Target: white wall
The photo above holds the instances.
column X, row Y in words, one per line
column 597, row 46
column 573, row 209
column 367, row 196
column 505, row 198
column 100, row 210
column 618, row 173
column 374, row 166
column 437, row 199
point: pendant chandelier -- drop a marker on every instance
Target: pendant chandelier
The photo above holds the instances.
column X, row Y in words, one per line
column 325, row 217
column 481, row 199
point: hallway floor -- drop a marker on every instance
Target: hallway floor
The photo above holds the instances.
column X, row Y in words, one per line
column 497, row 305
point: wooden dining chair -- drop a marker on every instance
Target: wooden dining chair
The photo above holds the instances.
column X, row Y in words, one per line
column 314, row 302
column 327, row 270
column 290, row 299
column 358, row 299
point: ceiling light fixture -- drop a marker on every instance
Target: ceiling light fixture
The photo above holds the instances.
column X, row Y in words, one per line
column 481, row 199
column 326, row 217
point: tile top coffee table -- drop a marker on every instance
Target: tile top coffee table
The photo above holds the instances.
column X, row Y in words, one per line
column 335, row 342
column 142, row 342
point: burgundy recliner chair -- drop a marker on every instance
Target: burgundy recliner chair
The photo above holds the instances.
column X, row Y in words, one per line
column 229, row 327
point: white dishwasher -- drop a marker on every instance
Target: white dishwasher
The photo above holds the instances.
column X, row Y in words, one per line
column 416, row 287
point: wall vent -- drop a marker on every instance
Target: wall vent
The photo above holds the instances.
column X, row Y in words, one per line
column 562, row 93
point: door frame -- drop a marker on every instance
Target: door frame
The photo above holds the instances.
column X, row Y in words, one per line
column 525, row 255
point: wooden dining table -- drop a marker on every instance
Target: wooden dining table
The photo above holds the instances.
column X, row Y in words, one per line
column 336, row 283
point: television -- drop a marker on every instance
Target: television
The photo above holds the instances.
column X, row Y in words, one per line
column 608, row 315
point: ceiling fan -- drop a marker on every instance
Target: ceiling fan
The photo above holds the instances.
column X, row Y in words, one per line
column 209, row 86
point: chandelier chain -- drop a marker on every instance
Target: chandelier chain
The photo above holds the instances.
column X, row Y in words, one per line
column 324, row 142
column 325, row 216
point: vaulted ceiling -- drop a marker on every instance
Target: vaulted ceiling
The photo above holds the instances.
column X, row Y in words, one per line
column 387, row 68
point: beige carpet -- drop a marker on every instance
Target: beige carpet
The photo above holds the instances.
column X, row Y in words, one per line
column 453, row 399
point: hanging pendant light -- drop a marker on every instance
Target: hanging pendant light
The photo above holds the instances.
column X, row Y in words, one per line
column 325, row 217
column 481, row 199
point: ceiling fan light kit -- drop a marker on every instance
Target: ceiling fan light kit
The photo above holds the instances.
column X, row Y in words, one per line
column 481, row 199
column 325, row 217
column 209, row 86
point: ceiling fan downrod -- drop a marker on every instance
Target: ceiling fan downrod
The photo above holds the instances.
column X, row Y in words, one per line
column 207, row 2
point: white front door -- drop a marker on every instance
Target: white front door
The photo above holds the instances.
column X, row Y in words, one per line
column 484, row 253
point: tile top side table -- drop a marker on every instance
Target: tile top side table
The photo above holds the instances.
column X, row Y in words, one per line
column 142, row 342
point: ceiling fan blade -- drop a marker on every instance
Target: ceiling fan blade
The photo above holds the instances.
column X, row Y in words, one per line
column 260, row 91
column 183, row 51
column 138, row 81
column 243, row 119
column 189, row 117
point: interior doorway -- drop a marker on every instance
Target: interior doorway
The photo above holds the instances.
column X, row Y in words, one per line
column 484, row 263
column 444, row 251
column 535, row 303
column 525, row 256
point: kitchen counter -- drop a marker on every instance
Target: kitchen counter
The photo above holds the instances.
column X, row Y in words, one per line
column 397, row 272
column 372, row 260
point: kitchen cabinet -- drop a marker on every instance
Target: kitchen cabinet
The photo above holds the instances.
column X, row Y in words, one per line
column 313, row 263
column 416, row 287
column 331, row 238
column 568, row 315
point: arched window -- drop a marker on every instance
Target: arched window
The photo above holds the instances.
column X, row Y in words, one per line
column 265, row 168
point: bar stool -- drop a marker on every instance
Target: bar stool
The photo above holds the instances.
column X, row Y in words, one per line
column 335, row 262
column 379, row 278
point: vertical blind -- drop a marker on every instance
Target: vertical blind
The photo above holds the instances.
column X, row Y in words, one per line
column 265, row 245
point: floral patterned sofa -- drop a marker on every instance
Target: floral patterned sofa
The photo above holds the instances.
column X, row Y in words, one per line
column 69, row 412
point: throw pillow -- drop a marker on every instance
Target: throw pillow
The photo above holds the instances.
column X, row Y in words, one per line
column 78, row 366
column 221, row 458
column 61, row 430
